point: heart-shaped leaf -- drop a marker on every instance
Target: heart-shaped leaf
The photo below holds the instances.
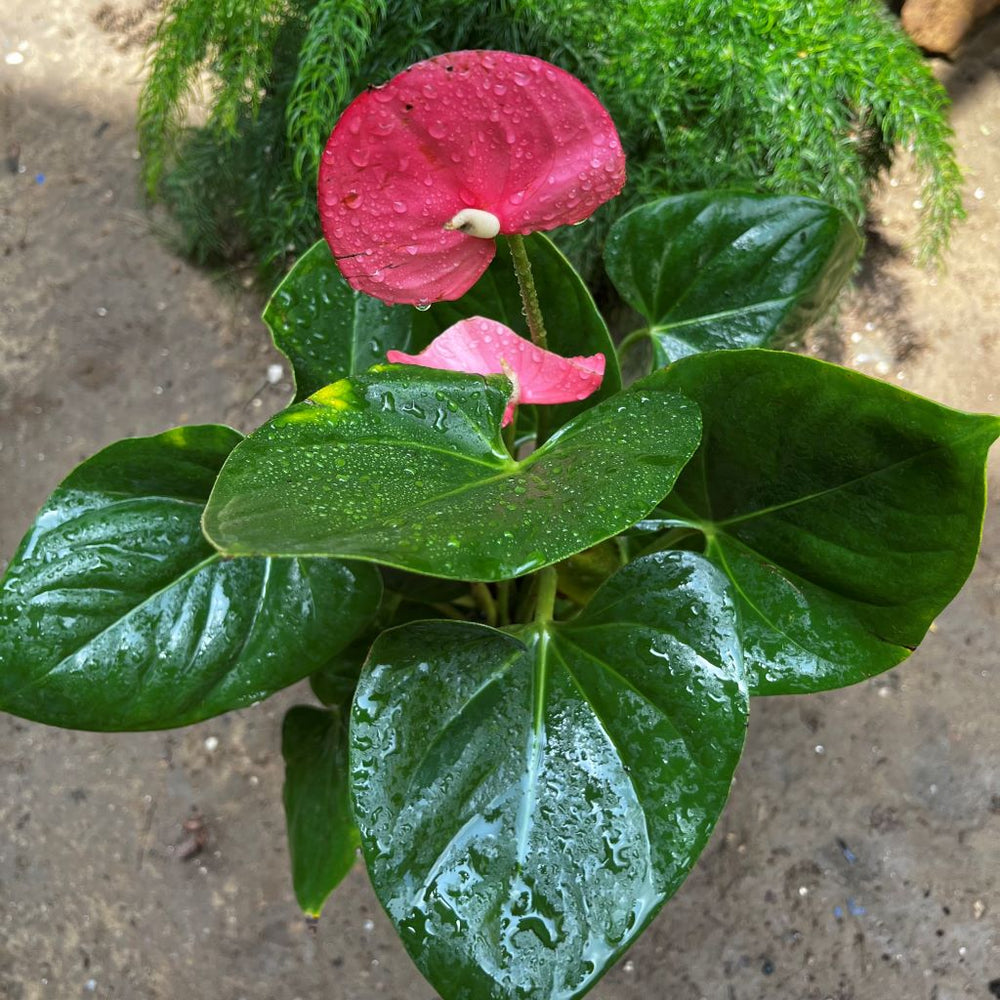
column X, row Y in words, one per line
column 115, row 613
column 325, row 328
column 573, row 324
column 717, row 270
column 322, row 836
column 847, row 512
column 405, row 466
column 527, row 803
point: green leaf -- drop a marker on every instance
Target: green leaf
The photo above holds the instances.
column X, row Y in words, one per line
column 573, row 324
column 526, row 804
column 721, row 269
column 322, row 836
column 846, row 512
column 115, row 613
column 405, row 466
column 325, row 328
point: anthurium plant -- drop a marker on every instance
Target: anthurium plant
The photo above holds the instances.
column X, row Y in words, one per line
column 533, row 602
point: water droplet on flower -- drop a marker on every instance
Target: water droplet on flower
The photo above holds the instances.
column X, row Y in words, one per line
column 399, row 207
column 437, row 130
column 500, row 89
column 360, row 157
column 422, row 306
column 412, row 249
column 352, row 199
column 521, row 78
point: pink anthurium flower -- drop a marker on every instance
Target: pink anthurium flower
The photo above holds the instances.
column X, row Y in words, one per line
column 485, row 347
column 421, row 174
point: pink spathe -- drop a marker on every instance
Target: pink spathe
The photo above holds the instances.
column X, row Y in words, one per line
column 522, row 143
column 485, row 347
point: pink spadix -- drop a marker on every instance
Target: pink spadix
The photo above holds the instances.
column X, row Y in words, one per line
column 484, row 347
column 420, row 174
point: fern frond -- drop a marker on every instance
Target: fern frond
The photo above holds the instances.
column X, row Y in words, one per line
column 335, row 45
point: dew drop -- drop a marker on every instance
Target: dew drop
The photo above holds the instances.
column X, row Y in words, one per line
column 422, row 306
column 437, row 130
column 399, row 207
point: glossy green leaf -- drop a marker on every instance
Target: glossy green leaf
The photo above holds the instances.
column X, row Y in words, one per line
column 719, row 270
column 527, row 803
column 573, row 324
column 322, row 836
column 847, row 512
column 325, row 328
column 115, row 613
column 405, row 466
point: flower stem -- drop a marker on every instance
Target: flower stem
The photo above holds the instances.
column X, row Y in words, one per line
column 529, row 295
column 545, row 605
column 485, row 603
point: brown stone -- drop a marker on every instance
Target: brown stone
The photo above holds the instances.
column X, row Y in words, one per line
column 940, row 25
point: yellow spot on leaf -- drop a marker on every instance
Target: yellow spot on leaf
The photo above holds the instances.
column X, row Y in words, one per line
column 338, row 395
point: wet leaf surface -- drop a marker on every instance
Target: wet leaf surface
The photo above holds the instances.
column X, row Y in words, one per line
column 115, row 612
column 718, row 270
column 325, row 328
column 322, row 836
column 405, row 466
column 846, row 512
column 527, row 803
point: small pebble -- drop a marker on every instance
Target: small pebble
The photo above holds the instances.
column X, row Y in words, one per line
column 13, row 58
column 274, row 373
column 211, row 743
column 979, row 194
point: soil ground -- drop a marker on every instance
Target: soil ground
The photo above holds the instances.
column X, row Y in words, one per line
column 858, row 858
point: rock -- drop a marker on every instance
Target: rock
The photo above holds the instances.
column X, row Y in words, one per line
column 940, row 25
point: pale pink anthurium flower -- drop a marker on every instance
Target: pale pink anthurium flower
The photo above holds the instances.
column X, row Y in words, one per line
column 421, row 174
column 485, row 347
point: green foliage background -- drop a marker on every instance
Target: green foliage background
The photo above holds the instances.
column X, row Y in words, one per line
column 791, row 96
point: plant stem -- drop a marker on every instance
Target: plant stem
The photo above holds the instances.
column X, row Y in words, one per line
column 529, row 295
column 643, row 333
column 484, row 601
column 547, row 584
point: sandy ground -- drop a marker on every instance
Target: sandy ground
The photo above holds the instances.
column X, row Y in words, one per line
column 858, row 858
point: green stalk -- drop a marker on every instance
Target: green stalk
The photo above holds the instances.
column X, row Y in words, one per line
column 484, row 601
column 545, row 605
